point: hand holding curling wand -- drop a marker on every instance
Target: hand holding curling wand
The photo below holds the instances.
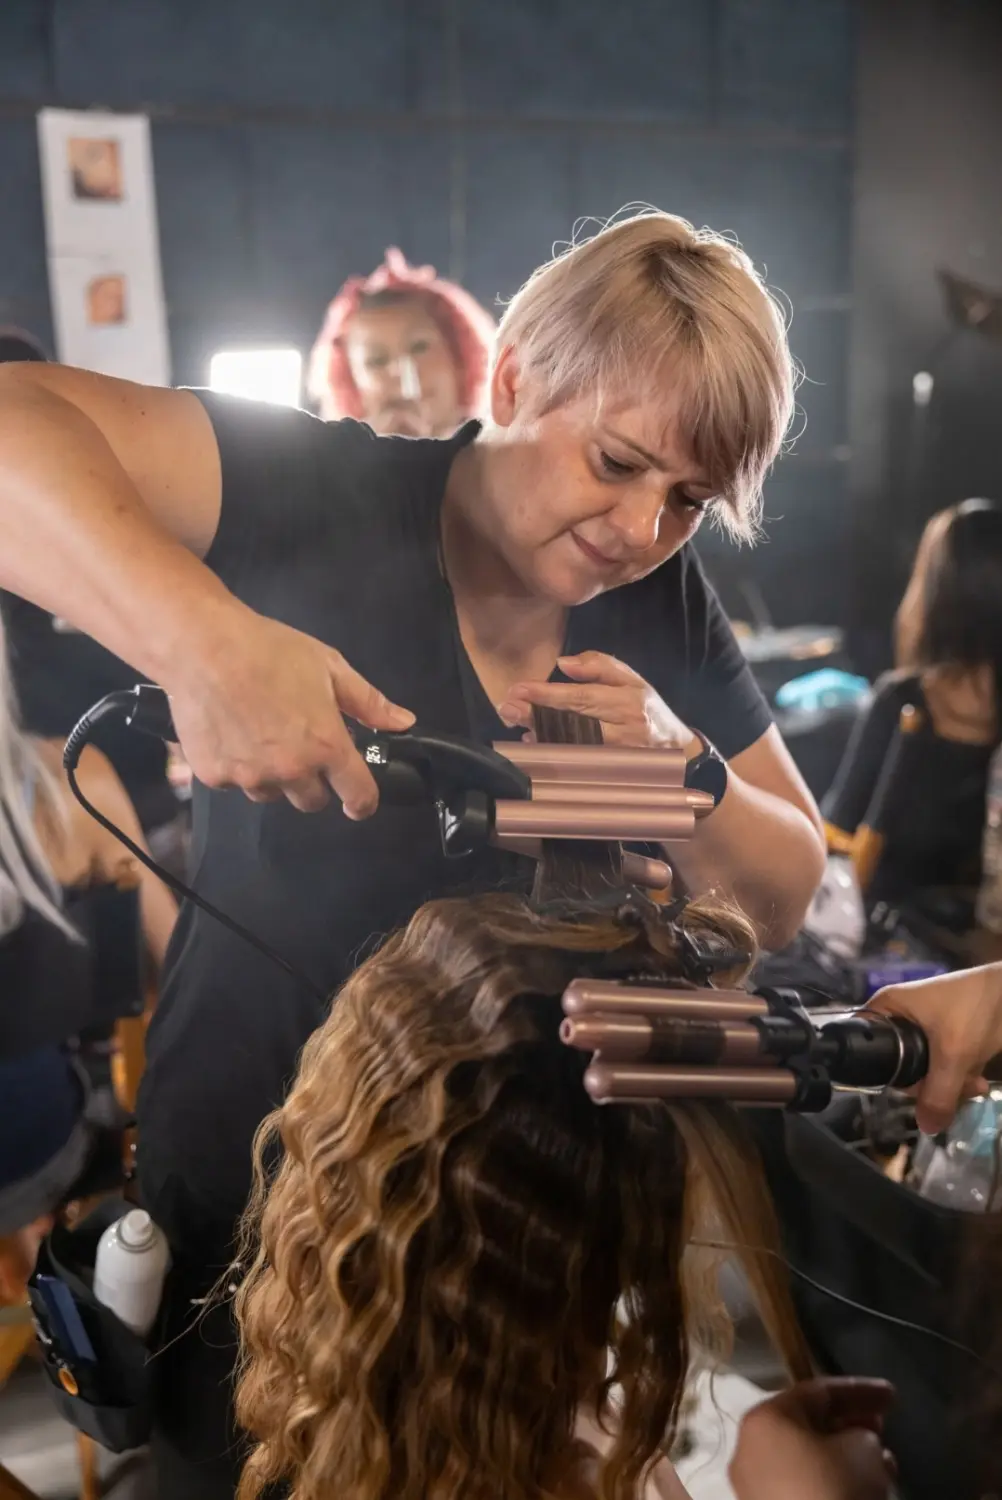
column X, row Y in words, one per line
column 655, row 1042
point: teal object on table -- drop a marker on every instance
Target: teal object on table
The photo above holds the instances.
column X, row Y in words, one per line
column 827, row 688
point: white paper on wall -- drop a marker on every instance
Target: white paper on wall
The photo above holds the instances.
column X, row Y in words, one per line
column 102, row 243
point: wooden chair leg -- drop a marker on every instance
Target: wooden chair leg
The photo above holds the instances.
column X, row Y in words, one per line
column 90, row 1482
column 15, row 1341
column 129, row 1059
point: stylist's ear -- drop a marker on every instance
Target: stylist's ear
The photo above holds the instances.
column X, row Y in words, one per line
column 506, row 382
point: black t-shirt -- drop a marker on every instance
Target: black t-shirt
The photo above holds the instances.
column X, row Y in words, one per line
column 336, row 532
column 58, row 674
column 932, row 810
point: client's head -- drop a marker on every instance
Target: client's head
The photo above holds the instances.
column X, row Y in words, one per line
column 460, row 1252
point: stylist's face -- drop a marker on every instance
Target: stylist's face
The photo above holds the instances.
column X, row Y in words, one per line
column 584, row 500
column 404, row 371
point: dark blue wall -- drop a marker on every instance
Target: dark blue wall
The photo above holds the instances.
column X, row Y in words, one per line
column 294, row 140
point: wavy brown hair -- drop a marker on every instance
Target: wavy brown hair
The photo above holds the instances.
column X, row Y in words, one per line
column 460, row 1251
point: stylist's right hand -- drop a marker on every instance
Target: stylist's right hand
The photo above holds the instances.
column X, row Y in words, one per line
column 820, row 1440
column 261, row 709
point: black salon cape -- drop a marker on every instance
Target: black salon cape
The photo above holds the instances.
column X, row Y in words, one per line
column 335, row 531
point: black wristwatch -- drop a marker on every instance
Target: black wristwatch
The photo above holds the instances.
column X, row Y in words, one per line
column 707, row 771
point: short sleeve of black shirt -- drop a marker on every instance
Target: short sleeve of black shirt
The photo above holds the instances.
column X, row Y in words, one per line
column 273, row 461
column 722, row 699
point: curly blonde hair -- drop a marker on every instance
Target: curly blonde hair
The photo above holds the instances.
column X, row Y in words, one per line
column 459, row 1251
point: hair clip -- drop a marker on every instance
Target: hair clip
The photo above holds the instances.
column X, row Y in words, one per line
column 700, row 964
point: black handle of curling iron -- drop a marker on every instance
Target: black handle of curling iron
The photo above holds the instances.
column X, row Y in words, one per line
column 871, row 1051
column 413, row 767
column 860, row 1049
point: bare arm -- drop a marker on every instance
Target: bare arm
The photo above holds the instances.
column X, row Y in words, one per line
column 81, row 852
column 100, row 783
column 764, row 846
column 110, row 494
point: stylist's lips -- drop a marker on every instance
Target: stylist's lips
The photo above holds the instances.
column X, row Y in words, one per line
column 593, row 555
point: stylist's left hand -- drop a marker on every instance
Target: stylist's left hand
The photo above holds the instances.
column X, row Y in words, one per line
column 603, row 688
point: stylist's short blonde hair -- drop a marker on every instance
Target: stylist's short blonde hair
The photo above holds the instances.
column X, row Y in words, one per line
column 651, row 303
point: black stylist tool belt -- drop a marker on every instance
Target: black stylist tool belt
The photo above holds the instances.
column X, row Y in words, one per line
column 97, row 1369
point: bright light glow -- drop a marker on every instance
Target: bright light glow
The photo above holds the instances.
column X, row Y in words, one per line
column 274, row 375
column 922, row 384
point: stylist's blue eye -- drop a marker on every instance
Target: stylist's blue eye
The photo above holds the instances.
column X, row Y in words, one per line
column 696, row 503
column 613, row 467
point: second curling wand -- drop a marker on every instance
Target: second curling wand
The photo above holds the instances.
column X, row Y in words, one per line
column 653, row 1042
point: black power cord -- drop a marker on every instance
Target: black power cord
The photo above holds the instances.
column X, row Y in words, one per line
column 147, row 708
column 860, row 1307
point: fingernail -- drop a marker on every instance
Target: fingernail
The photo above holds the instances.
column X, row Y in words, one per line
column 401, row 716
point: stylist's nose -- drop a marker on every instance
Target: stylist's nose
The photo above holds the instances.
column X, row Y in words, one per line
column 636, row 520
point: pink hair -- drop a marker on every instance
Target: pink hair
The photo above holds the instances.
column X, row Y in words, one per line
column 467, row 326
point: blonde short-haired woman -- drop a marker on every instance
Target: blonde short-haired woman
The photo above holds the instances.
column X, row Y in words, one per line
column 276, row 573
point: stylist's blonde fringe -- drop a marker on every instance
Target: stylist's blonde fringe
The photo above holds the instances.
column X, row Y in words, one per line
column 651, row 305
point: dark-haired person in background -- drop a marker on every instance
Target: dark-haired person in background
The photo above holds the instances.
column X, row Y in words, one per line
column 949, row 668
column 58, row 673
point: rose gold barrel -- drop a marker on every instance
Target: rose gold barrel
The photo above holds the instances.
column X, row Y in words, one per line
column 661, row 1039
column 609, row 1083
column 608, row 763
column 653, row 874
column 591, row 820
column 702, row 803
column 584, row 996
column 612, row 794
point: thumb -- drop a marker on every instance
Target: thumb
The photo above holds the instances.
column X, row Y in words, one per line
column 362, row 701
column 858, row 1402
column 941, row 1091
column 830, row 1404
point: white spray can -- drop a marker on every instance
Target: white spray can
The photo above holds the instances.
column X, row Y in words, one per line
column 130, row 1269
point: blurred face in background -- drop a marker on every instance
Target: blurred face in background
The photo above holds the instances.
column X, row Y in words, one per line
column 404, row 369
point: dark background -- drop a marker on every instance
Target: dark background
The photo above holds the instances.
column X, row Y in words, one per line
column 928, row 194
column 851, row 148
